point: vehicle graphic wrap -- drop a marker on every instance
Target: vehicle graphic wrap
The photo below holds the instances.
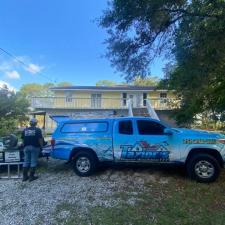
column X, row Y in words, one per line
column 102, row 148
column 111, row 145
column 143, row 150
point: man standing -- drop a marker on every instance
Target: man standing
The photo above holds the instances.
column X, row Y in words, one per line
column 33, row 141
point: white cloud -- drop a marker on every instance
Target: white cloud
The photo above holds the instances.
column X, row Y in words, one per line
column 13, row 74
column 4, row 84
column 12, row 67
column 33, row 68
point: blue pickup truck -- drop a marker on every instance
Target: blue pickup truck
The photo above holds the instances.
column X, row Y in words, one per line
column 86, row 143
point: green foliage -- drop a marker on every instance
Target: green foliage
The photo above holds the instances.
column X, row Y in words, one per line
column 148, row 81
column 8, row 126
column 64, row 84
column 191, row 33
column 139, row 31
column 200, row 63
column 106, row 83
column 13, row 111
column 138, row 81
column 36, row 89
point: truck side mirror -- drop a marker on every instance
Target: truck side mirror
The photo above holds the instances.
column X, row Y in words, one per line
column 168, row 131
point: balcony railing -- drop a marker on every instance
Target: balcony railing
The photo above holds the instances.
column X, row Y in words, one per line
column 100, row 103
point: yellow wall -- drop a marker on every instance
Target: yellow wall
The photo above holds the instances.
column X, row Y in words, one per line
column 76, row 94
column 82, row 99
column 159, row 103
column 156, row 94
column 111, row 100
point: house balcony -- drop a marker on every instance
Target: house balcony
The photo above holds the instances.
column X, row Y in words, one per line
column 101, row 103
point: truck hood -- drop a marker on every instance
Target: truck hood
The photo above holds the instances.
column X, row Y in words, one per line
column 203, row 133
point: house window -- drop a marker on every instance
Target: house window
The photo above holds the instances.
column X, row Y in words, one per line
column 163, row 98
column 126, row 127
column 124, row 100
column 150, row 127
column 69, row 96
column 163, row 95
column 144, row 99
column 96, row 100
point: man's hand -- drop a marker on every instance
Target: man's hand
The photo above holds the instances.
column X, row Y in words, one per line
column 41, row 142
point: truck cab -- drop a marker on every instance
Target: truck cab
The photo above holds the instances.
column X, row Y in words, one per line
column 86, row 143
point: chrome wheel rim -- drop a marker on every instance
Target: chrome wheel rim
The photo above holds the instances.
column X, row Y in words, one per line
column 83, row 164
column 204, row 169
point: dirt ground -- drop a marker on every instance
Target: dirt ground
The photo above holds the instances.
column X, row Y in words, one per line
column 59, row 196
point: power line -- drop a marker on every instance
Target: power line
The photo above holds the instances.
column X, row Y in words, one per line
column 24, row 64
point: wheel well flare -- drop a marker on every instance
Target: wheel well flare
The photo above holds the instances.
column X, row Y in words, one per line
column 82, row 149
column 209, row 151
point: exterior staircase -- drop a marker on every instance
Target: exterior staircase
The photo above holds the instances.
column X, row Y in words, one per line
column 149, row 111
column 164, row 116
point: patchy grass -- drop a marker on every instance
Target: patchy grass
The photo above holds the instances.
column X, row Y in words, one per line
column 180, row 201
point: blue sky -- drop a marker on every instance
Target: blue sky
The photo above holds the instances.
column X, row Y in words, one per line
column 56, row 39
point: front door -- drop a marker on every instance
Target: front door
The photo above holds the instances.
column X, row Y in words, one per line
column 96, row 100
column 154, row 145
column 133, row 98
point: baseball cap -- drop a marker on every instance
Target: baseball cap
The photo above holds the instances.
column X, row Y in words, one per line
column 33, row 120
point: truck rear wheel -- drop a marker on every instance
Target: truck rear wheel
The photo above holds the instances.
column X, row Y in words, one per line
column 84, row 164
column 203, row 168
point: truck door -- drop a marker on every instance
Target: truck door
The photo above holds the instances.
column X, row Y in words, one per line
column 124, row 138
column 152, row 144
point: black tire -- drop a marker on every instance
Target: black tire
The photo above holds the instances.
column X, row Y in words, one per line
column 203, row 168
column 90, row 163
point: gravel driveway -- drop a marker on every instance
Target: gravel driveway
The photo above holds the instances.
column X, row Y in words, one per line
column 47, row 200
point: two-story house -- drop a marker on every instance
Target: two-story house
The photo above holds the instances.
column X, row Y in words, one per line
column 101, row 101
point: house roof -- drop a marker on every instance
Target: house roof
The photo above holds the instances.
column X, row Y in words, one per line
column 105, row 88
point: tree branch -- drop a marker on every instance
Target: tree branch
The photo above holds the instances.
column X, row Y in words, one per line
column 194, row 14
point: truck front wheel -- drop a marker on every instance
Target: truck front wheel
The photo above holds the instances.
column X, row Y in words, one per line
column 84, row 164
column 203, row 168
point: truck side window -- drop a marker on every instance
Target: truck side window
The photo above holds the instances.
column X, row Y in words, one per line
column 126, row 127
column 84, row 127
column 146, row 127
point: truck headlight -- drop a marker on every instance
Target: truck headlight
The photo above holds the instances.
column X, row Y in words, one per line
column 221, row 141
